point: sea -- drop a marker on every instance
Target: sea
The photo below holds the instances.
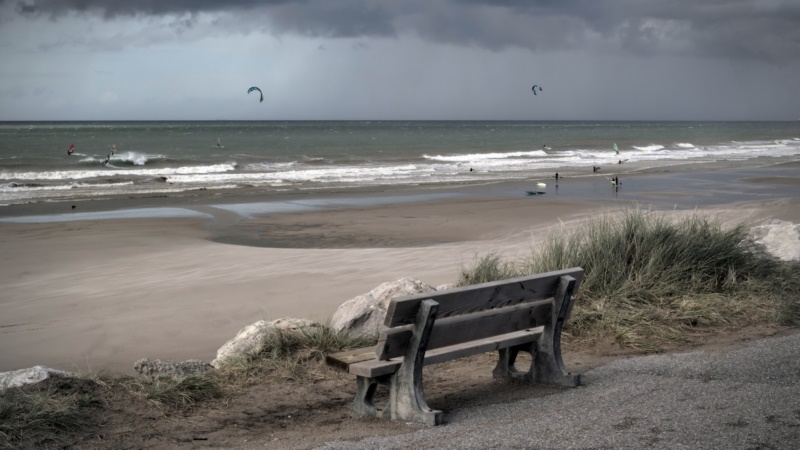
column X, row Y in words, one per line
column 167, row 157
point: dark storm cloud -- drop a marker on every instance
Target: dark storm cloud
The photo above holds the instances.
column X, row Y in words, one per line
column 751, row 29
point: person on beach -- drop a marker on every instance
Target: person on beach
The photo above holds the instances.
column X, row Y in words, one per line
column 556, row 177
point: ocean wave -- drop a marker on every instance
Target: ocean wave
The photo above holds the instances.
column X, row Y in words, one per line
column 333, row 174
column 649, row 148
column 31, row 187
column 135, row 158
column 268, row 166
column 474, row 157
column 684, row 145
column 83, row 174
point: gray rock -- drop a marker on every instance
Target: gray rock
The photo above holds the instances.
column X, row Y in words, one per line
column 171, row 369
column 250, row 339
column 781, row 238
column 365, row 313
column 32, row 375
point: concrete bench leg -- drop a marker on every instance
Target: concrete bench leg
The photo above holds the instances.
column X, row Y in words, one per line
column 406, row 397
column 547, row 367
column 364, row 403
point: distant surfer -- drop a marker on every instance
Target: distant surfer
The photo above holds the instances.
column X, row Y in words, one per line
column 113, row 148
column 70, row 149
column 595, row 169
column 620, row 161
column 108, row 158
column 219, row 144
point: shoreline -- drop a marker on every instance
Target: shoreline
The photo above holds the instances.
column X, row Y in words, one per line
column 89, row 294
column 589, row 185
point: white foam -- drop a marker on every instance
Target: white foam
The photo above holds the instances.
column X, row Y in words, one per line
column 685, row 145
column 83, row 174
column 475, row 157
column 649, row 148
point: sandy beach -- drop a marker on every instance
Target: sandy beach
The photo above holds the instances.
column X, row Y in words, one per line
column 101, row 293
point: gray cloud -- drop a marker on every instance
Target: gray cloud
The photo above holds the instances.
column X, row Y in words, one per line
column 766, row 30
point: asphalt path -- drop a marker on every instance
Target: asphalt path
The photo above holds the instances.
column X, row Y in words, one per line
column 746, row 397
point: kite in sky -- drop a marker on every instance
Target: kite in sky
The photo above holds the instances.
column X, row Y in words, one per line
column 259, row 91
column 534, row 88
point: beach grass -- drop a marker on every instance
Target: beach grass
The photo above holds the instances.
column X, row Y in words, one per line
column 651, row 280
column 292, row 355
column 41, row 414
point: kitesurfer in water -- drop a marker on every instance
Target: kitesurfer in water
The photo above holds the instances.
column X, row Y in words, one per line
column 113, row 148
column 70, row 149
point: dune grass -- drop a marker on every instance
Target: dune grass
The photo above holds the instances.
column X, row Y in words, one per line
column 650, row 281
column 296, row 355
column 39, row 416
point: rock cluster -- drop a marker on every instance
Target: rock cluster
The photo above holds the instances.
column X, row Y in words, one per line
column 171, row 369
column 365, row 313
column 31, row 375
column 250, row 339
column 781, row 238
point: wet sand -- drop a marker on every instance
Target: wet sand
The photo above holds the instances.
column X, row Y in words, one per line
column 101, row 293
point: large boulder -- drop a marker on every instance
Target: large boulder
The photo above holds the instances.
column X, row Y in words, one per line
column 365, row 313
column 171, row 369
column 781, row 238
column 250, row 339
column 32, row 375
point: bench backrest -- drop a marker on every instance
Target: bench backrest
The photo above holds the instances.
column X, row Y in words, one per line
column 478, row 311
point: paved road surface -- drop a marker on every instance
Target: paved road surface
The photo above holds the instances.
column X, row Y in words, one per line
column 742, row 398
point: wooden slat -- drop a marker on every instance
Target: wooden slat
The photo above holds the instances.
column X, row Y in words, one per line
column 375, row 368
column 482, row 346
column 342, row 360
column 480, row 297
column 460, row 329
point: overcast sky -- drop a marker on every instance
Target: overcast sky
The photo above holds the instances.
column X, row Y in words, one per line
column 400, row 59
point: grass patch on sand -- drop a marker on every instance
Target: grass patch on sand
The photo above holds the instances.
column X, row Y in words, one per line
column 292, row 355
column 651, row 281
column 39, row 416
column 67, row 412
column 52, row 413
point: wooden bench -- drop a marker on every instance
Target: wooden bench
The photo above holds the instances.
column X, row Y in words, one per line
column 519, row 314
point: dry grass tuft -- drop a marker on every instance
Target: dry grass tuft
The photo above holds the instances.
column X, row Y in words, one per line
column 651, row 282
